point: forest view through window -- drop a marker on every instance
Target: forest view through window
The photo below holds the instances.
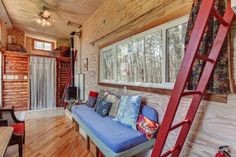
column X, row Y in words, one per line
column 151, row 57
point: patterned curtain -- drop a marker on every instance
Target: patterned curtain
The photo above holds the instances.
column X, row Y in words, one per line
column 219, row 82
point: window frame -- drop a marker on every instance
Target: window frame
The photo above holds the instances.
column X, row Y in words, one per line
column 43, row 41
column 163, row 28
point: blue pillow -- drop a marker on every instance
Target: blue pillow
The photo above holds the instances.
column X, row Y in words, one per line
column 149, row 112
column 128, row 111
column 98, row 103
column 103, row 107
column 91, row 101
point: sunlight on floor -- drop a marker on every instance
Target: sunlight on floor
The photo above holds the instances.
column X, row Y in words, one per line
column 50, row 133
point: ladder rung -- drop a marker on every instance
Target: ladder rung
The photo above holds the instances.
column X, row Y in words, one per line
column 191, row 93
column 204, row 58
column 219, row 17
column 180, row 124
column 170, row 151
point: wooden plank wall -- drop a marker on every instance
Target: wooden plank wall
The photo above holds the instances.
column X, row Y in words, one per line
column 215, row 123
column 15, row 81
column 63, row 67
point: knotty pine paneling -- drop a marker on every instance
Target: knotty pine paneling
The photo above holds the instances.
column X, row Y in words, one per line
column 15, row 86
column 137, row 16
column 63, row 68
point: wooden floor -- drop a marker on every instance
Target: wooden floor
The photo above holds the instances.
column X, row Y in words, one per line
column 51, row 137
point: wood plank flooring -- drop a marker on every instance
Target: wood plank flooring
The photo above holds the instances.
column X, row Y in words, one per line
column 51, row 137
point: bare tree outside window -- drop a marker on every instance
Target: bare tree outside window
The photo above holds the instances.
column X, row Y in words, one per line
column 108, row 63
column 153, row 57
column 175, row 49
column 123, row 63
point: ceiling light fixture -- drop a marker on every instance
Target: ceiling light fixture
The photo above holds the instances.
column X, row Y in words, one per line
column 44, row 17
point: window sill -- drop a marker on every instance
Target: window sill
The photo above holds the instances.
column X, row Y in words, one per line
column 164, row 90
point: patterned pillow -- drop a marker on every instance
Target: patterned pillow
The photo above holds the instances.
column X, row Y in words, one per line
column 128, row 111
column 103, row 107
column 115, row 104
column 146, row 126
column 91, row 101
column 98, row 103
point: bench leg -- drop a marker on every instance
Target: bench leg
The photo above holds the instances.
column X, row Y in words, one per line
column 76, row 125
column 88, row 143
column 20, row 146
column 97, row 151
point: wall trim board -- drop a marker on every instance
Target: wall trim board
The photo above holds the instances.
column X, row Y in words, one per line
column 221, row 98
column 231, row 50
column 30, row 54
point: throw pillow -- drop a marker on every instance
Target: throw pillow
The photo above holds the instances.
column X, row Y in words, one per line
column 94, row 94
column 103, row 107
column 91, row 101
column 146, row 126
column 98, row 103
column 115, row 104
column 128, row 111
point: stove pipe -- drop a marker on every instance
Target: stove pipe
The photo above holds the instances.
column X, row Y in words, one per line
column 72, row 59
column 72, row 90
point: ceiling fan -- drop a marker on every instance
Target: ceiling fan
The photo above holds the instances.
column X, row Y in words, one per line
column 44, row 17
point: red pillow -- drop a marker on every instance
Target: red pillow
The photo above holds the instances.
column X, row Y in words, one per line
column 93, row 94
column 146, row 126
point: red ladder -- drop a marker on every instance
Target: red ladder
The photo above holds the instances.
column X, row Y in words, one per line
column 206, row 10
column 62, row 101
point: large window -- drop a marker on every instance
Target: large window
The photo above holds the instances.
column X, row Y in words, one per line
column 150, row 58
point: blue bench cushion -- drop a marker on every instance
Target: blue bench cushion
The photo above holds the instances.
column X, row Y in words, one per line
column 113, row 134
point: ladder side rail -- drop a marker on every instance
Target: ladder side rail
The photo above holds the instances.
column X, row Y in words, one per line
column 66, row 86
column 67, row 83
column 215, row 51
column 65, row 91
column 183, row 74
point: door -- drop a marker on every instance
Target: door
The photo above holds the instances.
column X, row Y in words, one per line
column 42, row 82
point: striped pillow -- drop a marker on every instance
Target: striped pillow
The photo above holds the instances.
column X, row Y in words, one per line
column 115, row 104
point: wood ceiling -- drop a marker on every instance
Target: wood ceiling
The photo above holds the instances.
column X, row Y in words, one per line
column 24, row 13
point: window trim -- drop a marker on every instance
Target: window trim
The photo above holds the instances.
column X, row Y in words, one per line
column 163, row 28
column 44, row 41
column 221, row 98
